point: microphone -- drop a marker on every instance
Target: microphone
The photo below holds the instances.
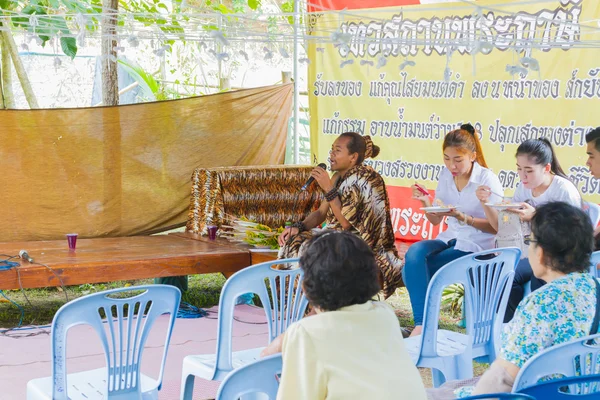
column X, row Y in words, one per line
column 311, row 179
column 23, row 255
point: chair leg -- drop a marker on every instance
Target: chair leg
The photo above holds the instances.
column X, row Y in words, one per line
column 438, row 377
column 187, row 387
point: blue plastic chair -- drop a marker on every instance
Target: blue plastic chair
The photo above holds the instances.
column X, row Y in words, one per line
column 492, row 396
column 594, row 261
column 254, row 378
column 578, row 387
column 487, row 286
column 123, row 345
column 593, row 211
column 563, row 359
column 283, row 300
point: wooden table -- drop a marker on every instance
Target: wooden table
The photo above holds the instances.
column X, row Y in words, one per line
column 256, row 255
column 122, row 258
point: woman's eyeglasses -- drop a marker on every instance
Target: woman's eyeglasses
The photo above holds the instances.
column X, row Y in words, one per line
column 527, row 239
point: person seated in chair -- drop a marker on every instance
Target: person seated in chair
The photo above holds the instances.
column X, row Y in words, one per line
column 356, row 200
column 564, row 309
column 352, row 348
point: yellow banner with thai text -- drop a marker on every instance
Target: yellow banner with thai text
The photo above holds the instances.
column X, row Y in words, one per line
column 406, row 76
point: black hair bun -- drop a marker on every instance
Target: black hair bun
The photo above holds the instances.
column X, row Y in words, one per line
column 468, row 127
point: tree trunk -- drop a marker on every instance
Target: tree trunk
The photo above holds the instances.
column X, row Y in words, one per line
column 3, row 68
column 110, row 81
column 9, row 45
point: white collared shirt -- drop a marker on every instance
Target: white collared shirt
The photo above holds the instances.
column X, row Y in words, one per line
column 468, row 238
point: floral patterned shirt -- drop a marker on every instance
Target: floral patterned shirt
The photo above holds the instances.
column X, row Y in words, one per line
column 558, row 312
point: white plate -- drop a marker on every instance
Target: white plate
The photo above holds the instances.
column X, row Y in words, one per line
column 246, row 223
column 261, row 246
column 438, row 209
column 501, row 206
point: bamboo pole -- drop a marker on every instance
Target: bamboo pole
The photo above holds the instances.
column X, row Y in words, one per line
column 10, row 45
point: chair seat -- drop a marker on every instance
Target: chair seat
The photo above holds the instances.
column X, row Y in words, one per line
column 88, row 385
column 448, row 344
column 203, row 365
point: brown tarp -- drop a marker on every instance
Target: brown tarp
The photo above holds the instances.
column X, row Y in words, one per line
column 118, row 171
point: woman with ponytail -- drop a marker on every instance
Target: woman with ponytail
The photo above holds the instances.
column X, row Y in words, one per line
column 356, row 200
column 468, row 230
column 542, row 181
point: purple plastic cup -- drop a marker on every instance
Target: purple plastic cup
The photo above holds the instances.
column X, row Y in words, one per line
column 212, row 232
column 72, row 240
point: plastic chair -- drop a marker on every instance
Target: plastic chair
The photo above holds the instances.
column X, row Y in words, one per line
column 594, row 261
column 492, row 396
column 593, row 211
column 283, row 302
column 563, row 359
column 578, row 387
column 487, row 285
column 123, row 345
column 256, row 377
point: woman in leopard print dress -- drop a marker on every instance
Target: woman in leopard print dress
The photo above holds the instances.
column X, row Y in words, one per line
column 356, row 201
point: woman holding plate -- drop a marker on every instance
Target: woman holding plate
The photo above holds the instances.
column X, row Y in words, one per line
column 468, row 231
column 542, row 181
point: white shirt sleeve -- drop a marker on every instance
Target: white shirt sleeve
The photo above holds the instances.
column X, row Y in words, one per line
column 568, row 193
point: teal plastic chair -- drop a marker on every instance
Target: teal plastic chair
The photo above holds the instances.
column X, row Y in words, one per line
column 487, row 278
column 573, row 388
column 493, row 396
column 280, row 292
column 594, row 261
column 580, row 357
column 123, row 345
column 593, row 211
column 257, row 377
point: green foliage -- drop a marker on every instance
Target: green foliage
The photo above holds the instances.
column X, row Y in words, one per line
column 254, row 4
column 453, row 296
column 146, row 81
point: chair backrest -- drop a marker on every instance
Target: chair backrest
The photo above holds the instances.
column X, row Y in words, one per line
column 593, row 210
column 576, row 357
column 127, row 333
column 594, row 261
column 574, row 388
column 280, row 292
column 487, row 278
column 492, row 396
column 257, row 377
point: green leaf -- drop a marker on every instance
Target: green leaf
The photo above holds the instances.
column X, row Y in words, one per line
column 146, row 81
column 69, row 46
column 5, row 4
column 254, row 4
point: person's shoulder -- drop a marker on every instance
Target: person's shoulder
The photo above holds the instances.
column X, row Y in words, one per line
column 487, row 173
column 489, row 177
column 566, row 184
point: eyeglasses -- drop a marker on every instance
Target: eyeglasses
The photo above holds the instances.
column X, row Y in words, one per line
column 528, row 240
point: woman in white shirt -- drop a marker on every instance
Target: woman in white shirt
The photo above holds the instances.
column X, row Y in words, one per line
column 542, row 181
column 468, row 228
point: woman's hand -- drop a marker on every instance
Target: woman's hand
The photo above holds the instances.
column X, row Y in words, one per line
column 286, row 235
column 323, row 179
column 526, row 211
column 417, row 194
column 483, row 193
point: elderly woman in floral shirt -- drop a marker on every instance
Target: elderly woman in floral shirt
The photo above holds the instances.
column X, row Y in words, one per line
column 560, row 247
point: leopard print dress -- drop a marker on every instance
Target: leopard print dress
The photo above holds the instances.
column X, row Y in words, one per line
column 365, row 204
